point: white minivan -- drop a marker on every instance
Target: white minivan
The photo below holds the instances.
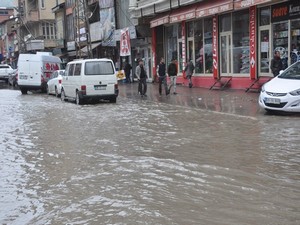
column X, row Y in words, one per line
column 90, row 79
column 34, row 70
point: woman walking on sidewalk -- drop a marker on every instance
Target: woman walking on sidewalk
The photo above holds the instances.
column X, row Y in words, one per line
column 189, row 70
column 172, row 72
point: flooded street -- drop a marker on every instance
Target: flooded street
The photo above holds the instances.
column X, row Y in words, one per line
column 145, row 162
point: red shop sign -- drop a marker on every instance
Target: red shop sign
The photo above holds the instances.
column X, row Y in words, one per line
column 212, row 8
column 247, row 3
column 252, row 31
column 215, row 47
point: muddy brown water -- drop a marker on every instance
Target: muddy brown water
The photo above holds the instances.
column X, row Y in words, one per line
column 144, row 162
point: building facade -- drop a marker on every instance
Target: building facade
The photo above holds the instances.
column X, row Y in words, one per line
column 233, row 39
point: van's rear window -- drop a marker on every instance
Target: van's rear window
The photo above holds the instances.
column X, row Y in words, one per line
column 99, row 68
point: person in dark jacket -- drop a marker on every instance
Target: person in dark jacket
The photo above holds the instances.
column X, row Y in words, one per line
column 172, row 72
column 141, row 75
column 189, row 70
column 276, row 64
column 162, row 76
column 127, row 70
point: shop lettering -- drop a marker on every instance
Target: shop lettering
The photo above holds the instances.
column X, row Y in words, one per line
column 252, row 33
column 215, row 63
column 294, row 9
column 247, row 3
column 213, row 10
column 224, row 8
column 282, row 11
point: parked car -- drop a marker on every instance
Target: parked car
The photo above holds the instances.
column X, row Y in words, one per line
column 282, row 93
column 5, row 70
column 54, row 84
column 90, row 79
column 13, row 78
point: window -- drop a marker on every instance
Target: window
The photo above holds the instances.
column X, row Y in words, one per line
column 171, row 35
column 99, row 68
column 49, row 30
column 240, row 36
column 208, row 57
column 199, row 51
column 265, row 15
column 71, row 69
column 43, row 4
column 77, row 70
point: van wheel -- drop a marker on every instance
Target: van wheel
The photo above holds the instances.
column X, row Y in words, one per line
column 23, row 91
column 63, row 96
column 113, row 99
column 56, row 92
column 78, row 100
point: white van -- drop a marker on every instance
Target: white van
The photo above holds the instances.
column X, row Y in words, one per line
column 34, row 70
column 90, row 79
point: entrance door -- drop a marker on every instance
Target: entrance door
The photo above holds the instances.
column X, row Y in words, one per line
column 190, row 48
column 225, row 59
column 265, row 51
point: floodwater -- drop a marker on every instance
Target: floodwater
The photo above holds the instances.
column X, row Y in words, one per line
column 144, row 162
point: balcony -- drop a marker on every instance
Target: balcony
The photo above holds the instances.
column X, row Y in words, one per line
column 32, row 16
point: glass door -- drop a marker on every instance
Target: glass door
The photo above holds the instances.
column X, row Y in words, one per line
column 225, row 57
column 190, row 48
column 265, row 51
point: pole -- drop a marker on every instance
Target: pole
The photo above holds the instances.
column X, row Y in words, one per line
column 87, row 31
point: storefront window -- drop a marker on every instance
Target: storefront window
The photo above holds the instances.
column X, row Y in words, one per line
column 190, row 29
column 240, row 34
column 208, row 57
column 265, row 16
column 199, row 51
column 280, row 35
column 295, row 41
column 171, row 35
column 225, row 23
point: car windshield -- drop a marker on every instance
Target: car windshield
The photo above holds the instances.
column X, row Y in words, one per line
column 99, row 68
column 62, row 72
column 293, row 72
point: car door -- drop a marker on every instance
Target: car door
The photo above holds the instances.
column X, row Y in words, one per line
column 67, row 79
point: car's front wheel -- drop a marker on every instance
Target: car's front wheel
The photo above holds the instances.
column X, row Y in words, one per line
column 23, row 91
column 62, row 95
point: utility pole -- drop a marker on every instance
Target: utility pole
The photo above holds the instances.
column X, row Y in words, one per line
column 82, row 21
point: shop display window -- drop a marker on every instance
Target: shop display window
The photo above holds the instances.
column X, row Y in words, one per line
column 171, row 35
column 225, row 23
column 265, row 16
column 281, row 40
column 295, row 41
column 240, row 34
column 199, row 51
column 208, row 57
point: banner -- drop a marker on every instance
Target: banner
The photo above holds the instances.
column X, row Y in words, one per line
column 125, row 43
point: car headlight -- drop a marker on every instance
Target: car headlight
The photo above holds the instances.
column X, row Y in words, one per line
column 295, row 93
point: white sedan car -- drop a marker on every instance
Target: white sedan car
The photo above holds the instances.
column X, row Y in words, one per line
column 282, row 93
column 54, row 84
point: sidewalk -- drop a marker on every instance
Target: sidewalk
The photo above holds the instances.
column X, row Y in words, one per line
column 228, row 101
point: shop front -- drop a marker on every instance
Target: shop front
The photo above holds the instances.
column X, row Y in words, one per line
column 234, row 39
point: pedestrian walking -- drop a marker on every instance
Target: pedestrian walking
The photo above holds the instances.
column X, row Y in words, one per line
column 162, row 76
column 189, row 70
column 141, row 75
column 276, row 64
column 172, row 72
column 127, row 70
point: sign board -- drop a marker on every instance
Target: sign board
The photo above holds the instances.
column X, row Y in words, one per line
column 215, row 47
column 252, row 30
column 285, row 11
column 71, row 46
column 125, row 48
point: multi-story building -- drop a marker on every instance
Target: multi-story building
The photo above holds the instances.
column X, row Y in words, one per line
column 229, row 41
column 37, row 25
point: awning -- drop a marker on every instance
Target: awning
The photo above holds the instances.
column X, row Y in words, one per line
column 94, row 45
column 183, row 14
column 159, row 21
column 213, row 7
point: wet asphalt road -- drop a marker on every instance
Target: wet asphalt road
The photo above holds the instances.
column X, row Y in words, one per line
column 200, row 157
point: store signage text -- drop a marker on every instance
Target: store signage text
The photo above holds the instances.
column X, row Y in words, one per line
column 248, row 3
column 285, row 11
column 252, row 42
column 215, row 46
column 214, row 10
column 159, row 22
column 182, row 17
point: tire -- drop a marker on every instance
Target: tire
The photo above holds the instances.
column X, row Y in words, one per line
column 113, row 99
column 24, row 91
column 78, row 100
column 62, row 95
column 56, row 92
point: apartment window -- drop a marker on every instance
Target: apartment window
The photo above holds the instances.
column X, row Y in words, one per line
column 49, row 31
column 3, row 12
column 42, row 4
